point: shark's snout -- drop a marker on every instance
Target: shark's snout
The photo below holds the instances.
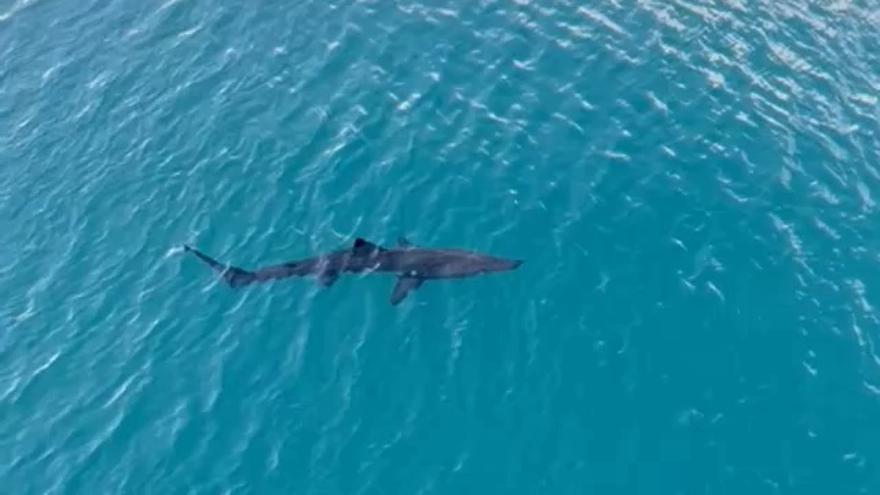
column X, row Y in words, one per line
column 502, row 265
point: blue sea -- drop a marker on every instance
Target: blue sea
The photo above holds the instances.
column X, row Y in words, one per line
column 692, row 184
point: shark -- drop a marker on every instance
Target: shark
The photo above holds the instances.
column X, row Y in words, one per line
column 412, row 266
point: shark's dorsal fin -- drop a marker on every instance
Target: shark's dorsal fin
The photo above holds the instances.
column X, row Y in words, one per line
column 403, row 242
column 362, row 246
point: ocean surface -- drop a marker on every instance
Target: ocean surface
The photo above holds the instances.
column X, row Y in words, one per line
column 692, row 184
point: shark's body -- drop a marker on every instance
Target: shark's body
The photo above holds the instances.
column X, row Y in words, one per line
column 412, row 265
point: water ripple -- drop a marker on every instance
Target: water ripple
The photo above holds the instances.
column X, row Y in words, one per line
column 692, row 182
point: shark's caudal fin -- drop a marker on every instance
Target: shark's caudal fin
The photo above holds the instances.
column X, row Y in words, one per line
column 234, row 276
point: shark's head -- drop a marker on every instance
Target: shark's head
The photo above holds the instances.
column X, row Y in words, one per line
column 461, row 264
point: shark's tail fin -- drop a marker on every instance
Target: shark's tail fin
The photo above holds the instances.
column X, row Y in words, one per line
column 234, row 276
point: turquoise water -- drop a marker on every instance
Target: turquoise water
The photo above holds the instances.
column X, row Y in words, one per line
column 691, row 183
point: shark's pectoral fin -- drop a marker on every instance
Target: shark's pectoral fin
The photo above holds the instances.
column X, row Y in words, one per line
column 403, row 287
column 328, row 278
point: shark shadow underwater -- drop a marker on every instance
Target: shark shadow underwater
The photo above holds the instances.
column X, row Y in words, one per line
column 413, row 266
